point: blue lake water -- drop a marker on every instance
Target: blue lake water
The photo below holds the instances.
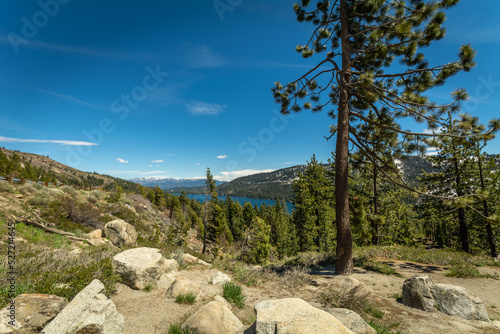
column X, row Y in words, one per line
column 242, row 200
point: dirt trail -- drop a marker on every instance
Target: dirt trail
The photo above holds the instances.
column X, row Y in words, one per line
column 152, row 312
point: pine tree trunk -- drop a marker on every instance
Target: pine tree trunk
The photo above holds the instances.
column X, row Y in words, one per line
column 489, row 231
column 344, row 264
column 464, row 233
column 375, row 239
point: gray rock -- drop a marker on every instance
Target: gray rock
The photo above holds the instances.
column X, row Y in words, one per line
column 417, row 293
column 455, row 300
column 220, row 278
column 181, row 287
column 421, row 292
column 294, row 315
column 213, row 318
column 95, row 234
column 193, row 259
column 89, row 312
column 120, row 233
column 352, row 320
column 140, row 267
column 32, row 312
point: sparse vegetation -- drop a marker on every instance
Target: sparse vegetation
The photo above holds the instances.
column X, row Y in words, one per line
column 187, row 298
column 463, row 270
column 40, row 269
column 177, row 329
column 233, row 293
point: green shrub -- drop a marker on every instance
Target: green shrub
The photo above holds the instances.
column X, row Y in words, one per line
column 187, row 298
column 463, row 270
column 6, row 187
column 233, row 293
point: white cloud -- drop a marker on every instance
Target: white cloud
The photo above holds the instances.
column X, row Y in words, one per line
column 231, row 175
column 202, row 108
column 70, row 98
column 433, row 131
column 222, row 156
column 122, row 161
column 150, row 165
column 157, row 161
column 201, row 55
column 289, row 163
column 431, row 151
column 61, row 142
column 197, row 164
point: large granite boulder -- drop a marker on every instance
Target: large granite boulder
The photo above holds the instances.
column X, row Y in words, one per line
column 352, row 320
column 140, row 267
column 182, row 287
column 456, row 300
column 213, row 318
column 417, row 293
column 32, row 312
column 294, row 315
column 421, row 292
column 89, row 312
column 120, row 233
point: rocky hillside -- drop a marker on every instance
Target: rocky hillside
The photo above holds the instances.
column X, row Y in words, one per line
column 34, row 167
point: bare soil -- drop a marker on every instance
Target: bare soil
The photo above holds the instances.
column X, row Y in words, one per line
column 153, row 312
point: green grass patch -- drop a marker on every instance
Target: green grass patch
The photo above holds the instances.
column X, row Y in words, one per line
column 177, row 329
column 381, row 329
column 373, row 311
column 39, row 236
column 40, row 269
column 233, row 293
column 186, row 298
column 463, row 270
column 442, row 257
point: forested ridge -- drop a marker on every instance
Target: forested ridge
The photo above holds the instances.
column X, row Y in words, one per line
column 389, row 215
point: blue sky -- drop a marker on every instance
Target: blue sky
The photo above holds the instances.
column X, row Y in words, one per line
column 169, row 88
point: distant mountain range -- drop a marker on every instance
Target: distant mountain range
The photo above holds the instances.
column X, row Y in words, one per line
column 278, row 184
column 170, row 183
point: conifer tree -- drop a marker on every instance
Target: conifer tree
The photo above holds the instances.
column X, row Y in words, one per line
column 360, row 39
column 212, row 215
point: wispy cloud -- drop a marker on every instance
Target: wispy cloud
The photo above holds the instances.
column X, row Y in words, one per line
column 70, row 98
column 231, row 175
column 289, row 163
column 168, row 154
column 55, row 47
column 203, row 108
column 222, row 156
column 47, row 141
column 157, row 161
column 201, row 55
column 122, row 161
column 197, row 164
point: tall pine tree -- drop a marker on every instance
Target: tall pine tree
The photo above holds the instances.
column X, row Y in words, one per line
column 360, row 39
